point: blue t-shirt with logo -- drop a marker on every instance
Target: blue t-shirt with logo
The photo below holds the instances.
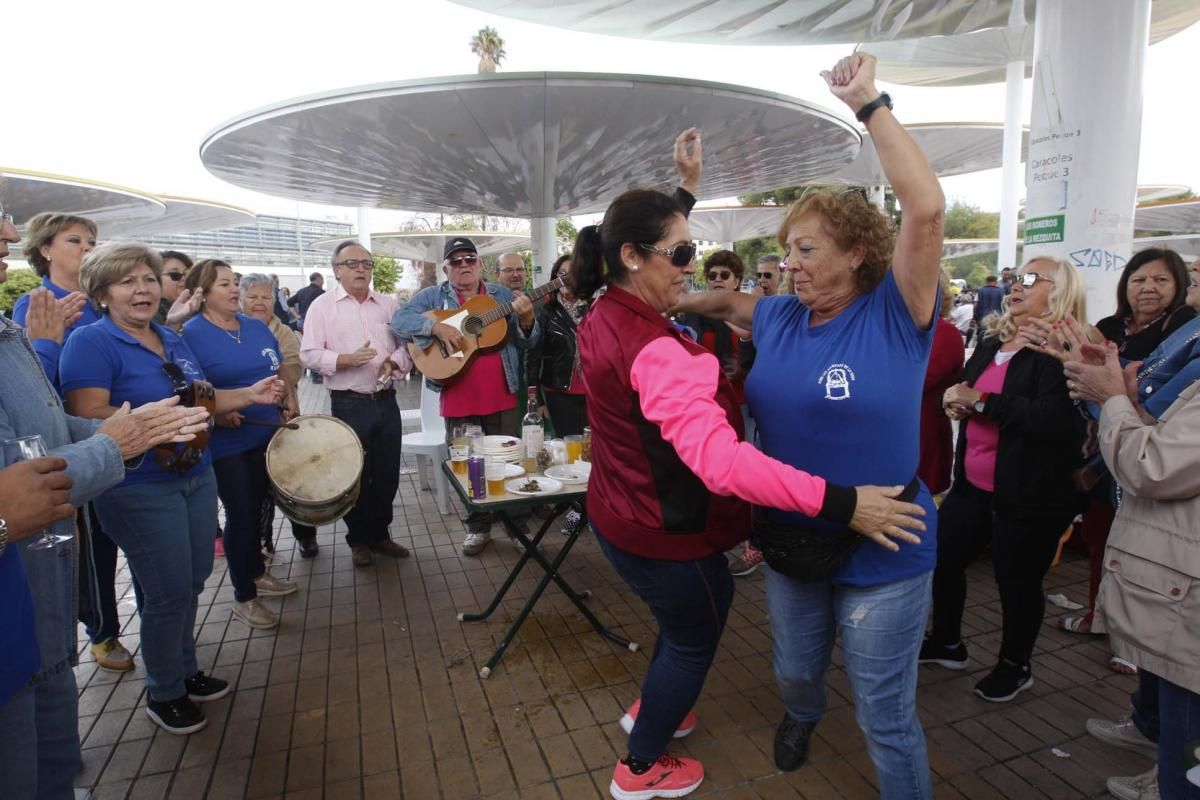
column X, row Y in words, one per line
column 842, row 400
column 234, row 360
column 103, row 356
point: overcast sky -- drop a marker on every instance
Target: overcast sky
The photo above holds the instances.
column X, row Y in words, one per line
column 124, row 91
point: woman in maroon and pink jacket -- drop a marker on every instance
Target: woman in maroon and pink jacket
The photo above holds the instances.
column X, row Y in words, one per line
column 672, row 480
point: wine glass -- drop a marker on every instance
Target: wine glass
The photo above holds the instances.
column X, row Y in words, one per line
column 27, row 448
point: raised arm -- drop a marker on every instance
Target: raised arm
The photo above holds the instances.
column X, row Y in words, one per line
column 736, row 308
column 918, row 252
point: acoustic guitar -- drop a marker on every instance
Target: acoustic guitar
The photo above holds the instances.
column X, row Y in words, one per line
column 483, row 324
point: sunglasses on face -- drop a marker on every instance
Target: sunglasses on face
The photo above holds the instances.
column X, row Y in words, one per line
column 1030, row 278
column 681, row 254
column 458, row 261
column 720, row 275
column 765, row 276
column 175, row 276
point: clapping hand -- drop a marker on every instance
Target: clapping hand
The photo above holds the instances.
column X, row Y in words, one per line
column 49, row 318
column 186, row 306
column 1096, row 383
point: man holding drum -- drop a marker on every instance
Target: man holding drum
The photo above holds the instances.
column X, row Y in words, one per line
column 347, row 340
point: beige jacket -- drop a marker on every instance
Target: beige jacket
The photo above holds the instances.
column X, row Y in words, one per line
column 1149, row 601
column 289, row 347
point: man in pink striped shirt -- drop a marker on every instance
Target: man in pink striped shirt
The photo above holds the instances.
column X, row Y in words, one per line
column 347, row 339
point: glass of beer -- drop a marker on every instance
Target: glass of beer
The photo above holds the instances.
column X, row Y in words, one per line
column 494, row 470
column 458, row 450
column 574, row 448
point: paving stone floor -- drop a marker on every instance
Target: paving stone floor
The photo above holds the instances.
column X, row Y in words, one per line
column 369, row 689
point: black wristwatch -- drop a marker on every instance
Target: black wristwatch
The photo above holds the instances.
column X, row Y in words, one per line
column 866, row 111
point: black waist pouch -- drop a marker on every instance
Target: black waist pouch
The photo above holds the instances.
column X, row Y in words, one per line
column 810, row 556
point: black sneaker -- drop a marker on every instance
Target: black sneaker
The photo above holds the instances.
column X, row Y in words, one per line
column 179, row 716
column 1004, row 682
column 948, row 656
column 202, row 688
column 791, row 743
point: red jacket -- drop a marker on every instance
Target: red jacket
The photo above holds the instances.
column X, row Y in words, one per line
column 945, row 367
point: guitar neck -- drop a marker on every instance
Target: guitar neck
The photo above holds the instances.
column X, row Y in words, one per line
column 500, row 312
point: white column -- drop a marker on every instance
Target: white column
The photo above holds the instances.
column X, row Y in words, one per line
column 545, row 247
column 1010, row 197
column 1089, row 58
column 364, row 226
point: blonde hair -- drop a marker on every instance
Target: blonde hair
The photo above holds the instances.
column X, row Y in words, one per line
column 41, row 230
column 1067, row 297
column 848, row 219
column 109, row 263
column 947, row 293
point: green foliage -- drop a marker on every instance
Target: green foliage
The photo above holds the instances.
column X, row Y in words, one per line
column 750, row 250
column 965, row 221
column 387, row 272
column 20, row 281
column 972, row 269
column 789, row 194
column 488, row 45
column 565, row 231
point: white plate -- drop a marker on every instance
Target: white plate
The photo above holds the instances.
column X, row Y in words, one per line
column 500, row 442
column 548, row 486
column 513, row 470
column 569, row 473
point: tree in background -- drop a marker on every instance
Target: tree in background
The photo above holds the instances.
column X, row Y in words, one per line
column 488, row 45
column 20, row 281
column 964, row 221
column 386, row 273
column 566, row 233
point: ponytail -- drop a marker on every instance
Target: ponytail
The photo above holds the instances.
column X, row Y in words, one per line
column 587, row 263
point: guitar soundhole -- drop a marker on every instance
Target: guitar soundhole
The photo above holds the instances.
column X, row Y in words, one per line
column 472, row 326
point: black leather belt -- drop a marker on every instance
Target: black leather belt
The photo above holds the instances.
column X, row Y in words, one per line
column 382, row 393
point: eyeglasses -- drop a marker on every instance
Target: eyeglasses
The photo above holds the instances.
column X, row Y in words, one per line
column 458, row 261
column 512, row 270
column 765, row 276
column 681, row 254
column 175, row 276
column 1030, row 278
column 719, row 274
column 356, row 263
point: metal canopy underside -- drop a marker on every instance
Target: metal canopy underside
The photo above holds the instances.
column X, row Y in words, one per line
column 428, row 246
column 952, row 149
column 522, row 144
column 1179, row 217
column 967, row 59
column 735, row 223
column 1153, row 192
column 26, row 194
column 760, row 22
column 1187, row 246
column 183, row 215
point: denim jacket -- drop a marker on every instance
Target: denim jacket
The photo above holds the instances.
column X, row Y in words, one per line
column 411, row 326
column 29, row 405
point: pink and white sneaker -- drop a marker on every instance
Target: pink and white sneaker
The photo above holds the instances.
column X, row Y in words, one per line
column 687, row 726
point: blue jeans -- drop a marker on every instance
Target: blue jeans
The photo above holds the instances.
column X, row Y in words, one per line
column 39, row 740
column 1145, row 705
column 104, row 556
column 242, row 485
column 1178, row 740
column 881, row 629
column 690, row 601
column 380, row 430
column 166, row 530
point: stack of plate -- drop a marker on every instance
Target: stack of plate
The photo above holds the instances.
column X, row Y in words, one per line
column 506, row 448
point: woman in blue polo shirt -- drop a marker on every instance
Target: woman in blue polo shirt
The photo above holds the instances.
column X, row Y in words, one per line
column 236, row 351
column 163, row 513
column 836, row 388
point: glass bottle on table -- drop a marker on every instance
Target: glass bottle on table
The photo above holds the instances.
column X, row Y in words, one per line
column 533, row 433
column 458, row 450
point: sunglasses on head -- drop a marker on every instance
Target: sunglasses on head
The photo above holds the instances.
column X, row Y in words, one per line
column 681, row 254
column 1030, row 278
column 458, row 261
column 719, row 275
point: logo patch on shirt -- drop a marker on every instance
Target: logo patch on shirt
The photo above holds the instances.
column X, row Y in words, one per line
column 836, row 379
column 270, row 353
column 188, row 368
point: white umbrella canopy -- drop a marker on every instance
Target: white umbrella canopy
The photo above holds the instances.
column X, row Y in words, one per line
column 1153, row 192
column 1179, row 217
column 26, row 194
column 183, row 215
column 953, row 148
column 522, row 144
column 980, row 56
column 429, row 245
column 759, row 22
column 1187, row 246
column 735, row 223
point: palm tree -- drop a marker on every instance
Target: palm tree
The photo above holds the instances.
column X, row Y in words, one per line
column 488, row 45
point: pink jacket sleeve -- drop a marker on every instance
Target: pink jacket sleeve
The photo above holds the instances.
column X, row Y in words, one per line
column 677, row 392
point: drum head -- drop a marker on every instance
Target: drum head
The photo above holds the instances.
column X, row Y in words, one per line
column 317, row 463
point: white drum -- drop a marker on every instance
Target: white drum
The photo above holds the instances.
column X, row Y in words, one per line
column 315, row 469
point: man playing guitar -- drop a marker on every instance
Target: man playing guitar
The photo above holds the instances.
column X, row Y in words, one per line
column 485, row 391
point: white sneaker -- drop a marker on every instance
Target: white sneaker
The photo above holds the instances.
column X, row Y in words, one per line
column 1138, row 787
column 474, row 543
column 1122, row 733
column 255, row 614
column 270, row 586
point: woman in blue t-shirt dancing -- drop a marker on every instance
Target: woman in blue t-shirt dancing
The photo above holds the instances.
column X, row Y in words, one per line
column 836, row 388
